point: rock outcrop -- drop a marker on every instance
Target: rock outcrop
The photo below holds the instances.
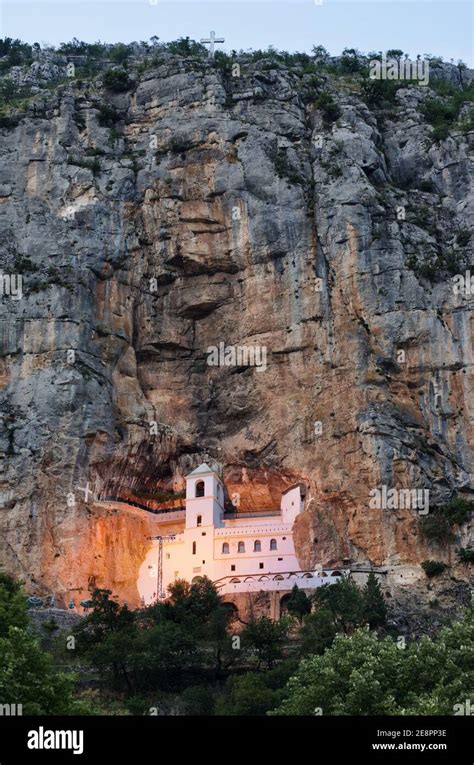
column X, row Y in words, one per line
column 196, row 208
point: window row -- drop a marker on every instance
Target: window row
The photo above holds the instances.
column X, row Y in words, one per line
column 257, row 546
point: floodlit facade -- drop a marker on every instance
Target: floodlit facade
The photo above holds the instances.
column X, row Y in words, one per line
column 247, row 552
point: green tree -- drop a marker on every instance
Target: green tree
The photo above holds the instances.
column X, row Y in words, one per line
column 119, row 53
column 375, row 610
column 345, row 602
column 107, row 636
column 394, row 53
column 298, row 603
column 266, row 638
column 247, row 695
column 13, row 609
column 318, row 632
column 361, row 674
column 184, row 46
column 27, row 677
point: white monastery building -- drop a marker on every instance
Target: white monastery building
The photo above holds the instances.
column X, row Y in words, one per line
column 245, row 552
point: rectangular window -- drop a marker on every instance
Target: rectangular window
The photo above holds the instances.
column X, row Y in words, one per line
column 203, row 533
column 260, row 565
column 194, row 548
column 280, row 558
column 232, row 568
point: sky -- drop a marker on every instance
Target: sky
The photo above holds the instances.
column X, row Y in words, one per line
column 416, row 26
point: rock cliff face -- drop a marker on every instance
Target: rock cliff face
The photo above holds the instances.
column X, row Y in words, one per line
column 197, row 208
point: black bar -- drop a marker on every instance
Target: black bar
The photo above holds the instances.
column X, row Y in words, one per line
column 309, row 739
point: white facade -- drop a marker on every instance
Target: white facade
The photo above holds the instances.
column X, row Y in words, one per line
column 238, row 554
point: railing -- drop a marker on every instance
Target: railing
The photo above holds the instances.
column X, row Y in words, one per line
column 282, row 576
column 156, row 511
column 230, row 516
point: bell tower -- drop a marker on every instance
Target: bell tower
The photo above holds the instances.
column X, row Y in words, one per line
column 204, row 498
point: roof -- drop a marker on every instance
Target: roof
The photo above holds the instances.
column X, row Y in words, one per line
column 203, row 469
column 301, row 485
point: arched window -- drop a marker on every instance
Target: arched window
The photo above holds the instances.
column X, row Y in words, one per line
column 278, row 576
column 199, row 489
column 194, row 548
column 199, row 520
column 241, row 547
column 225, row 548
column 235, row 581
column 257, row 546
column 273, row 544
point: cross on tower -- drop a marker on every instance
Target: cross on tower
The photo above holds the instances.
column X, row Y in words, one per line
column 211, row 40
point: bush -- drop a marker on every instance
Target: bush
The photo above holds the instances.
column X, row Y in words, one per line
column 87, row 164
column 119, row 53
column 440, row 132
column 467, row 122
column 458, row 511
column 198, row 700
column 107, row 115
column 463, row 237
column 116, row 80
column 178, row 144
column 436, row 528
column 379, row 92
column 330, row 109
column 247, row 695
column 442, row 112
column 284, row 169
column 184, row 46
column 350, row 61
column 16, row 52
column 437, row 112
column 426, row 185
column 433, row 567
column 80, row 48
column 466, row 554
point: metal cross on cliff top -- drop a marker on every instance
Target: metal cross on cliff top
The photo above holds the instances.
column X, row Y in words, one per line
column 211, row 40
